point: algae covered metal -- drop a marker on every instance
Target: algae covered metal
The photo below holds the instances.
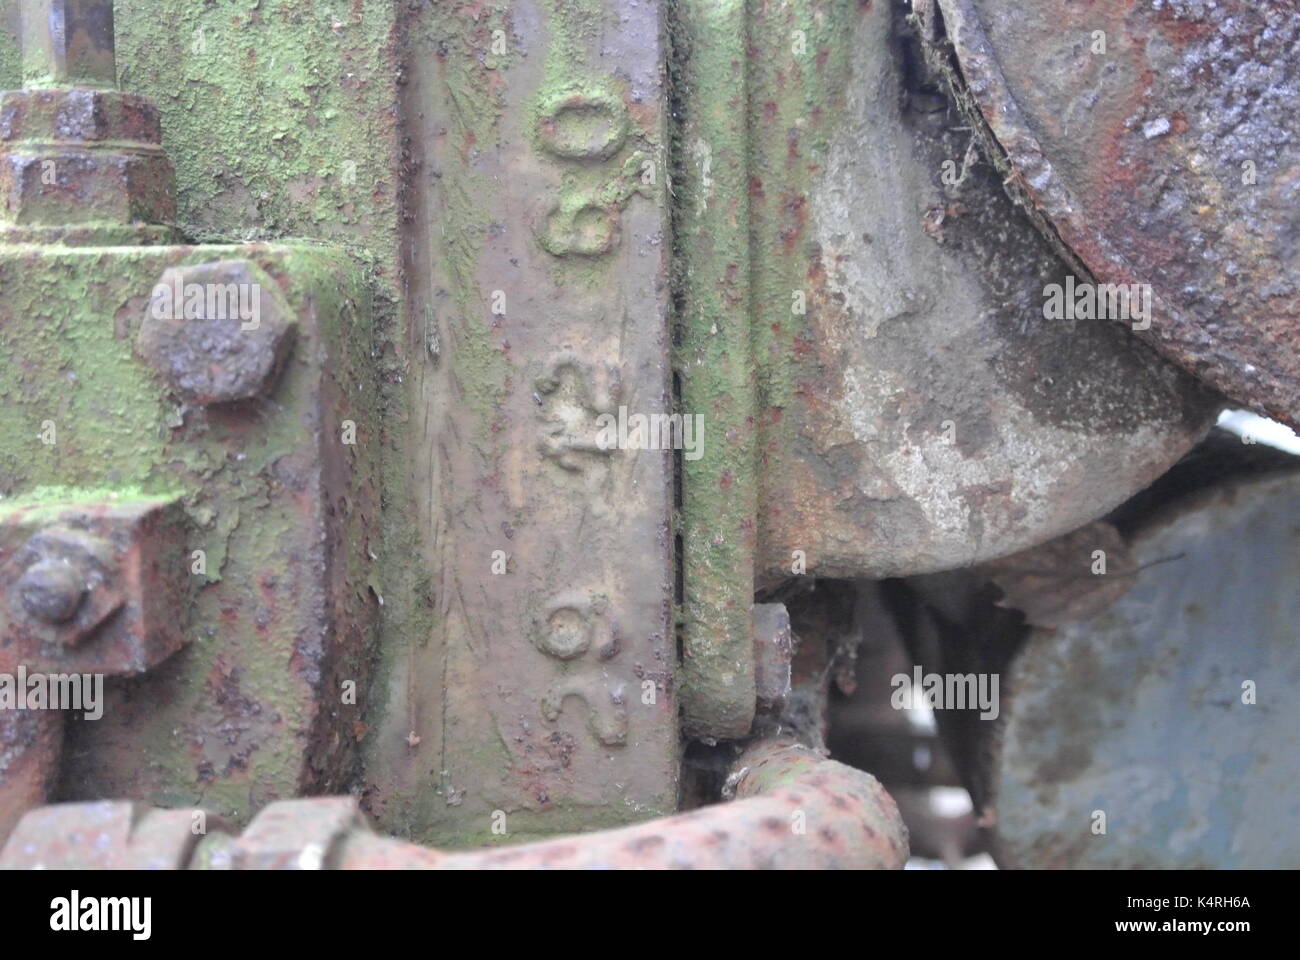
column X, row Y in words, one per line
column 540, row 698
column 438, row 420
column 212, row 540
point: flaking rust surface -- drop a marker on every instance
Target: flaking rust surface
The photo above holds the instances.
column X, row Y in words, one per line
column 251, row 710
column 922, row 415
column 1172, row 159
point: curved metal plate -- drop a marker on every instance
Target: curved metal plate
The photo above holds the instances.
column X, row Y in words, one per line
column 1157, row 143
column 921, row 414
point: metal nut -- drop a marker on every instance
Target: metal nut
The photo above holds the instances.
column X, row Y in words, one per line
column 85, row 187
column 63, row 117
column 52, row 590
column 94, row 583
column 218, row 332
column 61, row 581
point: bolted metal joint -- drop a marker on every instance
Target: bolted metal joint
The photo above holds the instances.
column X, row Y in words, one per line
column 97, row 586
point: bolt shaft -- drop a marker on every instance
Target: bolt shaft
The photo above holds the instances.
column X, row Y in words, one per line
column 68, row 43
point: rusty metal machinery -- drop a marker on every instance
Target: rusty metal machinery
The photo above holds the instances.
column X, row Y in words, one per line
column 1156, row 143
column 493, row 435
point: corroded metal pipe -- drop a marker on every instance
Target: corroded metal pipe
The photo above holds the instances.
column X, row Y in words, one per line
column 794, row 809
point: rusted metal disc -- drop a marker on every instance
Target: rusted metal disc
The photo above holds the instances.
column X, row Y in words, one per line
column 1156, row 141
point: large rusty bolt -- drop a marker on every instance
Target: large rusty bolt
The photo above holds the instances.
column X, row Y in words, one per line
column 94, row 583
column 218, row 332
column 90, row 117
column 80, row 162
column 73, row 156
column 61, row 581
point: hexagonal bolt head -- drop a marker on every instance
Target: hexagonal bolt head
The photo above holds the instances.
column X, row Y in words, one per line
column 93, row 583
column 63, row 117
column 218, row 332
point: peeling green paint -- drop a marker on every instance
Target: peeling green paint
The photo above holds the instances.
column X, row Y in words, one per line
column 283, row 119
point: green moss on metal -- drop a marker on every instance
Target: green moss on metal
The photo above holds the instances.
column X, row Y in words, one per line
column 69, row 373
column 798, row 81
column 10, row 54
column 715, row 363
column 279, row 115
column 757, row 89
column 282, row 119
column 572, row 27
column 59, row 495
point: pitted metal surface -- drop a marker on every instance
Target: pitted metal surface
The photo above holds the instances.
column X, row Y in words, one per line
column 417, row 584
column 922, row 414
column 1156, row 141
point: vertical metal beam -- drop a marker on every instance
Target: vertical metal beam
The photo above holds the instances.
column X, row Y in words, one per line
column 68, row 43
column 715, row 361
column 541, row 698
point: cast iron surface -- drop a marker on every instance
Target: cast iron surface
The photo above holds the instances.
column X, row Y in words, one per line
column 920, row 413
